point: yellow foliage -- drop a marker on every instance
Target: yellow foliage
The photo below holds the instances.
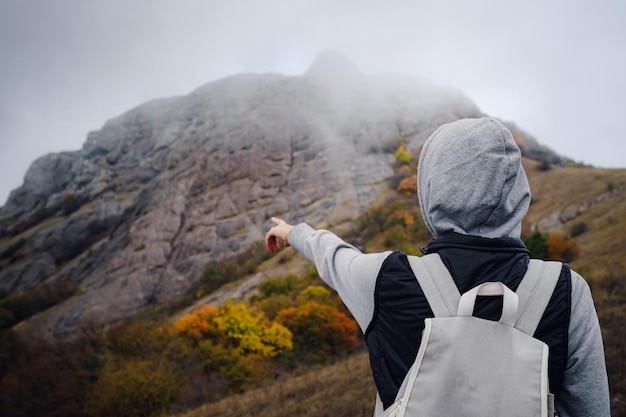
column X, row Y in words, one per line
column 235, row 326
column 314, row 293
column 402, row 155
column 252, row 333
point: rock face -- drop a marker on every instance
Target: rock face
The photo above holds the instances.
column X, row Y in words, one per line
column 162, row 190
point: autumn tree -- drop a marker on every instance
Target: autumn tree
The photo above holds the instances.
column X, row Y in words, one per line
column 237, row 327
column 199, row 324
column 561, row 248
column 552, row 246
column 250, row 332
column 234, row 341
column 315, row 293
column 319, row 330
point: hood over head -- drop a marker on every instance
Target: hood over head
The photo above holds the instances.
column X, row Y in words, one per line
column 471, row 180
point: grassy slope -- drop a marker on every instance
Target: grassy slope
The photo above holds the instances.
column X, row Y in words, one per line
column 596, row 197
column 346, row 388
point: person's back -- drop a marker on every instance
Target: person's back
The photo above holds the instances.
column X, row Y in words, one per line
column 473, row 194
column 468, row 366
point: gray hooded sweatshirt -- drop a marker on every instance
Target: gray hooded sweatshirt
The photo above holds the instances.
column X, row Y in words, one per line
column 470, row 182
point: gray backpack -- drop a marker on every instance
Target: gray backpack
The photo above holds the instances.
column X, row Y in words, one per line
column 470, row 367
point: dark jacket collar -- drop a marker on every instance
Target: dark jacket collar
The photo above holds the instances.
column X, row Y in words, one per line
column 460, row 241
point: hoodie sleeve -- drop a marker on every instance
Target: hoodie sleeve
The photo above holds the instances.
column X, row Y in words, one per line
column 343, row 267
column 585, row 389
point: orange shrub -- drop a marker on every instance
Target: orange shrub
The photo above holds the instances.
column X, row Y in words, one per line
column 320, row 329
column 198, row 324
column 408, row 185
column 561, row 248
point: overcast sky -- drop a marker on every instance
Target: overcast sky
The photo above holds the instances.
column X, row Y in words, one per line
column 555, row 68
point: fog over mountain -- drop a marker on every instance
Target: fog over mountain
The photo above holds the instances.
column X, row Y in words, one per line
column 162, row 190
column 554, row 68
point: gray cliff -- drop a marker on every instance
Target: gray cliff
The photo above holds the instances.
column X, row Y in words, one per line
column 161, row 191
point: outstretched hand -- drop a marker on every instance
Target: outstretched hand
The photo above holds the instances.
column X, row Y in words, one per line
column 279, row 231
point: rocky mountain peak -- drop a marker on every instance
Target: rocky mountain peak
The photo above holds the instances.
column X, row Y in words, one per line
column 174, row 184
column 331, row 63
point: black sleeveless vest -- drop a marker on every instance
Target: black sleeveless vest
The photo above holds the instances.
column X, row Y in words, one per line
column 394, row 334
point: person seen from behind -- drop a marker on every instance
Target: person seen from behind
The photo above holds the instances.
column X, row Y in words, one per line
column 473, row 194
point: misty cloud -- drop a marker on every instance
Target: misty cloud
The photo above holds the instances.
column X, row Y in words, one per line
column 554, row 68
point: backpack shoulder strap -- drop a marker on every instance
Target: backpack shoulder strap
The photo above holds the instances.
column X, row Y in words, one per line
column 535, row 292
column 439, row 288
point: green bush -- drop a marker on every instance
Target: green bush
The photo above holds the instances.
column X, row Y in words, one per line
column 544, row 165
column 217, row 274
column 274, row 286
column 237, row 371
column 402, row 156
column 315, row 293
column 537, row 244
column 15, row 308
column 272, row 305
column 578, row 229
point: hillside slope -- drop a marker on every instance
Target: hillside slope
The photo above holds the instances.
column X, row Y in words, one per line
column 590, row 199
column 563, row 199
column 121, row 234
